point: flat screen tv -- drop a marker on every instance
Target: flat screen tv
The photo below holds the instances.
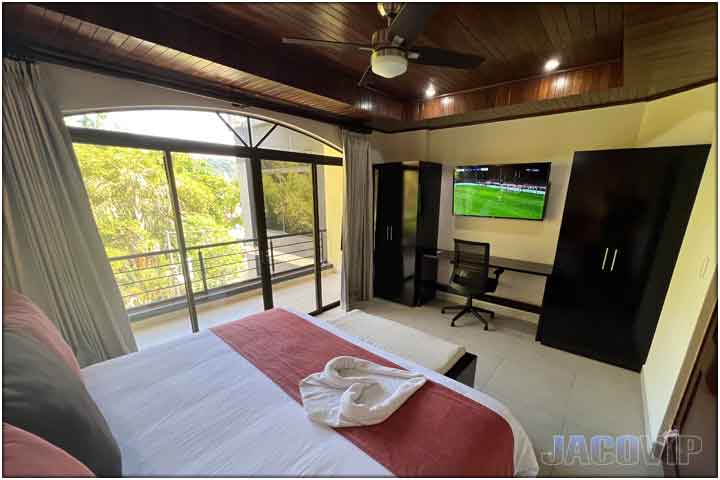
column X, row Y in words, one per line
column 516, row 190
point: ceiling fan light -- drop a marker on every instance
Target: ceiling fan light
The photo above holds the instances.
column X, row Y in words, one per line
column 388, row 62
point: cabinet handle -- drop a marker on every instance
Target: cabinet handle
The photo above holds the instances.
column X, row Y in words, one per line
column 387, row 233
column 391, row 235
column 612, row 265
column 604, row 259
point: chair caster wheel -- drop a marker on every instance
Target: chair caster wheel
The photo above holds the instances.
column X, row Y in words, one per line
column 486, row 328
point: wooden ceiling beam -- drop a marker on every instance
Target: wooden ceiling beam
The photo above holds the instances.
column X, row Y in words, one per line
column 153, row 22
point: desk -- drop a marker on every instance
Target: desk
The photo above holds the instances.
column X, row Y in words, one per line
column 433, row 260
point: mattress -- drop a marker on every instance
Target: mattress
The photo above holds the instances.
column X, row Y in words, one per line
column 410, row 343
column 195, row 407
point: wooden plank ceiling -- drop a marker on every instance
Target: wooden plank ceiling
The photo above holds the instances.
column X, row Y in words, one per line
column 609, row 53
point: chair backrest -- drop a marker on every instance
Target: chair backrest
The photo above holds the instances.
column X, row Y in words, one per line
column 471, row 267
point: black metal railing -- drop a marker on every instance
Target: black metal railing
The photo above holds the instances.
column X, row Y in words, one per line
column 153, row 281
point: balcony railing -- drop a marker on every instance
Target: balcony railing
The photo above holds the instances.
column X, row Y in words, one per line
column 152, row 282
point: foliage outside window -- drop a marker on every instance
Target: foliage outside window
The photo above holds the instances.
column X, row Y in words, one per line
column 130, row 198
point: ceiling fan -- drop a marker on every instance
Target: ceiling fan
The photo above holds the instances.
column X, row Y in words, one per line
column 392, row 47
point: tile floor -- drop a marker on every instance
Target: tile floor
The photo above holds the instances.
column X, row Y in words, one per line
column 298, row 294
column 549, row 391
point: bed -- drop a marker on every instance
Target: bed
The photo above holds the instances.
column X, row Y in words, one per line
column 197, row 407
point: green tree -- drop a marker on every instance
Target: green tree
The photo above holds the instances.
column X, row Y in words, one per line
column 130, row 199
column 288, row 196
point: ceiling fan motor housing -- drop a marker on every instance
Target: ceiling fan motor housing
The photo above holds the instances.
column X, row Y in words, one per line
column 388, row 59
column 388, row 62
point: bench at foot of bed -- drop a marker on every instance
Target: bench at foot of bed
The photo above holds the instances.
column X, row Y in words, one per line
column 427, row 350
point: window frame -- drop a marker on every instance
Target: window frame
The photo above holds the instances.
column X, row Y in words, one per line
column 275, row 123
column 255, row 154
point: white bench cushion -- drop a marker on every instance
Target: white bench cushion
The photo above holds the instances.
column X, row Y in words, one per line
column 429, row 351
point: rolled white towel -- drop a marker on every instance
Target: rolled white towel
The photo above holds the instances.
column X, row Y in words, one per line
column 353, row 392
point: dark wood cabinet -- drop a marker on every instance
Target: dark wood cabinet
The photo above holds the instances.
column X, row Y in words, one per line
column 625, row 216
column 407, row 198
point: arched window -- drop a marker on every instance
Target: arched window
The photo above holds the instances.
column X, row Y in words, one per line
column 194, row 206
column 205, row 126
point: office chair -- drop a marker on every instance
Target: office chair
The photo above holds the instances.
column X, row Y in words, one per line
column 470, row 278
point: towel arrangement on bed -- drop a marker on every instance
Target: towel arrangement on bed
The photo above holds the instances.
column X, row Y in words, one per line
column 352, row 392
column 437, row 432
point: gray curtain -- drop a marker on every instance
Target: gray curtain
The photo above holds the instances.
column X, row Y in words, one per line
column 52, row 251
column 357, row 232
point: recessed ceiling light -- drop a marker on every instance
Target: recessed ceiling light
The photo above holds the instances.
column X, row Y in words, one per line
column 552, row 64
column 430, row 91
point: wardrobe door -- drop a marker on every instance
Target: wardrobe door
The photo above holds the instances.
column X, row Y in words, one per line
column 633, row 206
column 573, row 303
column 427, row 230
column 407, row 233
column 388, row 264
column 636, row 199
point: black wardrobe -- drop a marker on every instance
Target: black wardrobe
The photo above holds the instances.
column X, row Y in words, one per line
column 407, row 199
column 625, row 216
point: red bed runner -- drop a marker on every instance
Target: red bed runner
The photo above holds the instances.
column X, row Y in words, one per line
column 436, row 433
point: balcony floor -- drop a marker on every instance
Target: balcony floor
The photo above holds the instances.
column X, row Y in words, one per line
column 298, row 294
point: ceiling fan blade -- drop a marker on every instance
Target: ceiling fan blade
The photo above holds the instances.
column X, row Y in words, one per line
column 443, row 58
column 367, row 74
column 326, row 43
column 411, row 21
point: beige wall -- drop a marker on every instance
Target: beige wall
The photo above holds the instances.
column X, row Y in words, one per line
column 539, row 139
column 683, row 119
column 334, row 188
column 400, row 147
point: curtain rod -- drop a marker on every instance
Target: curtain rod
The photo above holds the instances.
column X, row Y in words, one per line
column 17, row 52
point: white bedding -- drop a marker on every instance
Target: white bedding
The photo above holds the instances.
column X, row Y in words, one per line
column 195, row 407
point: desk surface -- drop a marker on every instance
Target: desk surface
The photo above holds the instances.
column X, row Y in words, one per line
column 512, row 264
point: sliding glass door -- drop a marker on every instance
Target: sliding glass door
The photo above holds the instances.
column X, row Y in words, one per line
column 132, row 204
column 202, row 233
column 290, row 229
column 330, row 209
column 218, row 225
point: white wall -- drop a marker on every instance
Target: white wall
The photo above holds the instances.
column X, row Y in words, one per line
column 684, row 119
column 78, row 90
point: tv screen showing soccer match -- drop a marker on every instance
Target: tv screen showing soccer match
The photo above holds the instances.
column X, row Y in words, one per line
column 501, row 191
